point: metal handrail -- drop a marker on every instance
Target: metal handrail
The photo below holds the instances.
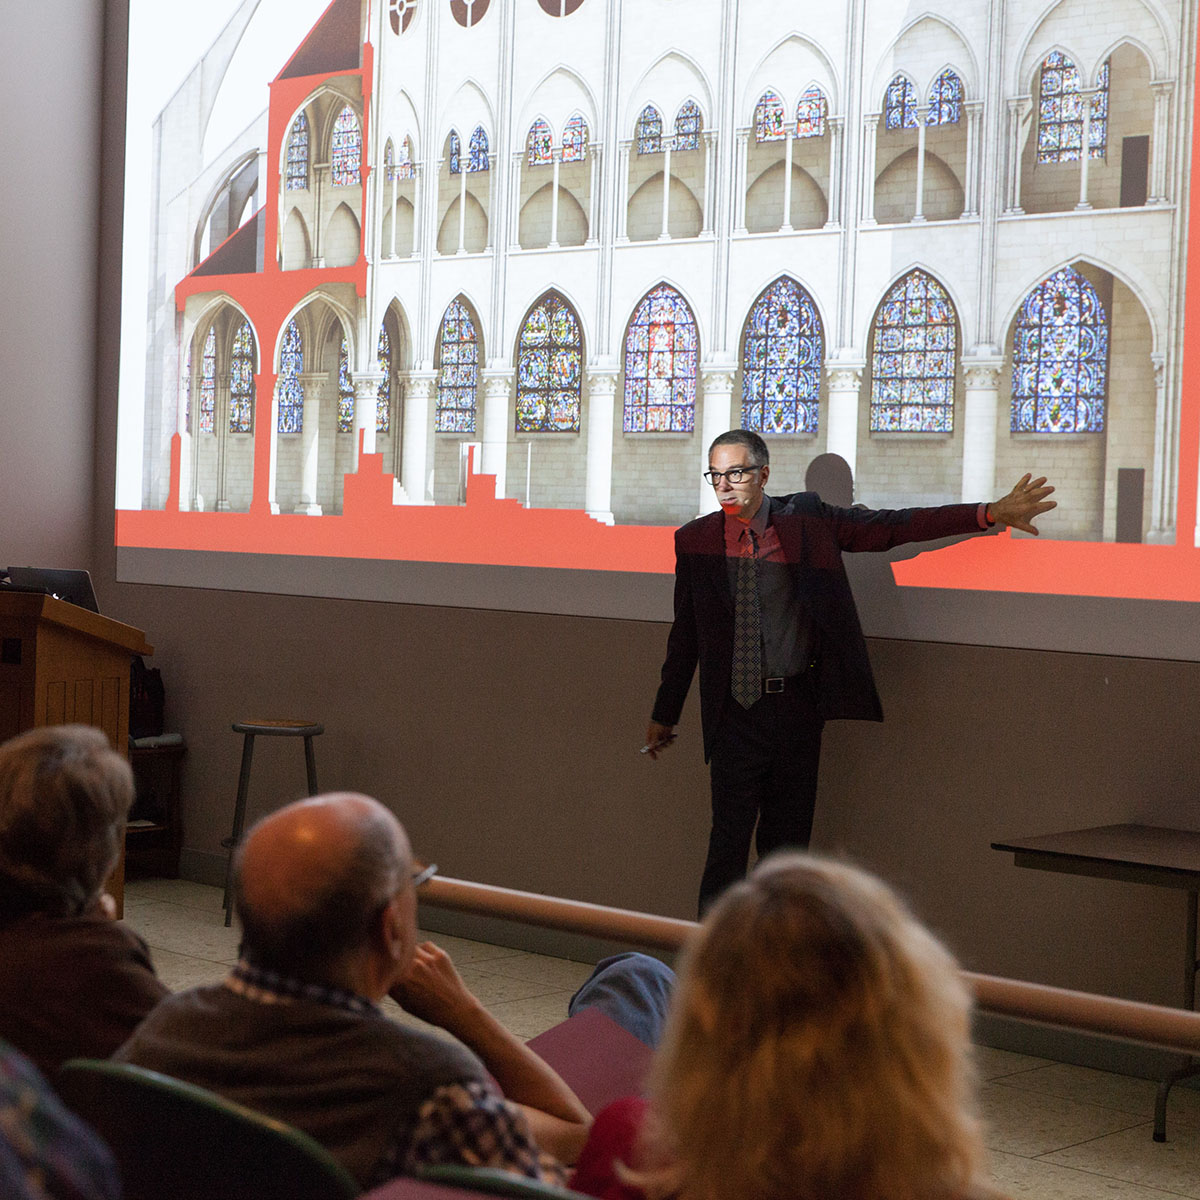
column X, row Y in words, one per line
column 1150, row 1024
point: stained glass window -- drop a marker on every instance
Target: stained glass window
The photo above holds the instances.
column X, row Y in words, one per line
column 455, row 153
column 661, row 362
column 241, row 381
column 575, row 140
column 649, row 131
column 539, row 145
column 404, row 160
column 383, row 399
column 290, row 391
column 560, row 8
column 297, row 154
column 208, row 384
column 458, row 374
column 913, row 361
column 389, row 161
column 549, row 369
column 812, row 111
column 1060, row 112
column 479, row 151
column 401, row 13
column 781, row 361
column 469, row 12
column 945, row 99
column 347, row 148
column 768, row 118
column 345, row 409
column 1060, row 358
column 900, row 104
column 688, row 123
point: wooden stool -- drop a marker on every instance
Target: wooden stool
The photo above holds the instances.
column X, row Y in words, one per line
column 250, row 730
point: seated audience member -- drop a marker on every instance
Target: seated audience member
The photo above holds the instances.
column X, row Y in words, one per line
column 73, row 982
column 46, row 1152
column 324, row 892
column 817, row 1046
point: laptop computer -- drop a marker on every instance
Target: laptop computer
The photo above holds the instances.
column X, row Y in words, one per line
column 75, row 587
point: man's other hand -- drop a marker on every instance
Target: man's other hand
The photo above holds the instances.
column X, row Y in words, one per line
column 658, row 738
column 1026, row 501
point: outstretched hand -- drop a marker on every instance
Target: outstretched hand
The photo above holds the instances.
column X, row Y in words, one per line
column 1026, row 501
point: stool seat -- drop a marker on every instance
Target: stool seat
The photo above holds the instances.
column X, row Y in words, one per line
column 278, row 728
column 251, row 728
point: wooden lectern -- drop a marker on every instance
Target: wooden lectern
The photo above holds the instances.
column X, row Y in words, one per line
column 59, row 664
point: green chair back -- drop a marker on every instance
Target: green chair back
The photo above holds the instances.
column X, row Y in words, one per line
column 495, row 1182
column 175, row 1141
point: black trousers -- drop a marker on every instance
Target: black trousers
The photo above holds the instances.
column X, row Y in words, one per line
column 763, row 770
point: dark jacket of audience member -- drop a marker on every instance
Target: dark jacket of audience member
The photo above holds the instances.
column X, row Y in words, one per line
column 73, row 982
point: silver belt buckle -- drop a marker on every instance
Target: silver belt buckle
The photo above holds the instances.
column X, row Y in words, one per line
column 773, row 685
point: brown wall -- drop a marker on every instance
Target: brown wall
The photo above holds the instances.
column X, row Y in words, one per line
column 508, row 742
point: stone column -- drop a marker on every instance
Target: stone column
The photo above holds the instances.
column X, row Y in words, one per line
column 601, row 410
column 837, row 132
column 313, row 384
column 739, row 181
column 514, row 208
column 982, row 373
column 710, row 174
column 971, row 197
column 1086, row 96
column 366, row 400
column 623, row 191
column 556, row 156
column 497, row 421
column 273, row 459
column 1018, row 108
column 1166, row 455
column 462, row 203
column 493, row 186
column 870, row 131
column 1160, row 153
column 221, row 429
column 844, row 382
column 786, row 226
column 594, row 152
column 189, row 395
column 716, row 416
column 666, row 197
column 922, row 117
column 418, row 396
column 395, row 211
column 418, row 207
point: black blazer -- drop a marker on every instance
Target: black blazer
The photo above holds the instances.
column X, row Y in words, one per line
column 813, row 535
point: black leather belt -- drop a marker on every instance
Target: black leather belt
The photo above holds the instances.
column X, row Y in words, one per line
column 780, row 683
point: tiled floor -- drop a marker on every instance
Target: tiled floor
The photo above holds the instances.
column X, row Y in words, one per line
column 1056, row 1132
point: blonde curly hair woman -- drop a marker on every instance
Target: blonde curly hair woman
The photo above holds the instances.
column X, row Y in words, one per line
column 817, row 1049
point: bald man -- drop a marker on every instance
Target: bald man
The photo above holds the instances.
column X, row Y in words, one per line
column 325, row 895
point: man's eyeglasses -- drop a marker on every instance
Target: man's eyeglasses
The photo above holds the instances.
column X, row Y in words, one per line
column 420, row 877
column 734, row 475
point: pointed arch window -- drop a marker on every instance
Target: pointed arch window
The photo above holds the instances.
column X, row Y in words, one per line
column 383, row 398
column 549, row 368
column 768, row 118
column 458, row 371
column 241, row 381
column 1060, row 112
column 688, row 123
column 401, row 13
column 649, row 131
column 208, row 384
column 945, row 99
column 389, row 161
column 345, row 406
column 812, row 113
column 297, row 154
column 1060, row 358
column 455, row 153
column 469, row 12
column 346, row 149
column 575, row 140
column 661, row 364
column 290, row 390
column 404, row 160
column 913, row 359
column 479, row 151
column 782, row 356
column 900, row 104
column 539, row 145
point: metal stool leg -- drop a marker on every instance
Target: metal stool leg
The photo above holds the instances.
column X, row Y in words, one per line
column 239, row 818
column 310, row 765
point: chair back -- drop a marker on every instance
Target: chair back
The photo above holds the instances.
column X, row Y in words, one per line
column 175, row 1141
column 494, row 1182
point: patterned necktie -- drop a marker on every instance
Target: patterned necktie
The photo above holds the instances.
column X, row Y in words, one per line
column 746, row 683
